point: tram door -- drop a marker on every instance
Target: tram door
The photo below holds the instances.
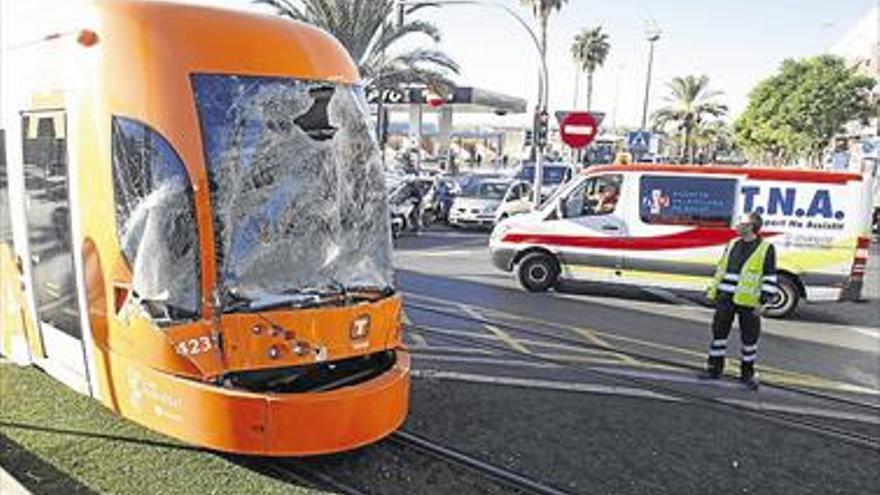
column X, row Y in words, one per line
column 47, row 211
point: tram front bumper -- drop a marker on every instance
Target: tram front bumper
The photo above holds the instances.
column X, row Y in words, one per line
column 270, row 424
column 338, row 420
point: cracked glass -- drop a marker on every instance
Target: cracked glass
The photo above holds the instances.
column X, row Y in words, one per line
column 156, row 222
column 298, row 195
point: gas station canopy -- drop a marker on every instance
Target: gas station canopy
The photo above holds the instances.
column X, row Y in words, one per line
column 460, row 99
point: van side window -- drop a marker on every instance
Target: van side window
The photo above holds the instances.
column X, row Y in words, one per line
column 156, row 222
column 596, row 196
column 687, row 200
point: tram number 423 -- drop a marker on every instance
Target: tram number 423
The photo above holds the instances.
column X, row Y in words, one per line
column 194, row 346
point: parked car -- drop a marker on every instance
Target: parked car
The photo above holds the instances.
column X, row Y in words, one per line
column 478, row 202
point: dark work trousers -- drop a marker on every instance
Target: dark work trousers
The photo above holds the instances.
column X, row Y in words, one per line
column 749, row 330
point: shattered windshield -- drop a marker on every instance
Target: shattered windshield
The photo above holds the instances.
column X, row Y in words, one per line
column 297, row 189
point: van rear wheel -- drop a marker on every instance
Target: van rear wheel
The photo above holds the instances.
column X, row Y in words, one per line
column 787, row 302
column 538, row 272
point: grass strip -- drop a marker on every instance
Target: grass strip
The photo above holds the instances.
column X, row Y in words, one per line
column 54, row 440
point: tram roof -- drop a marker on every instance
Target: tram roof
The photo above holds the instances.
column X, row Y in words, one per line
column 206, row 39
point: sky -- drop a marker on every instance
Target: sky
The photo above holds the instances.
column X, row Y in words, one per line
column 735, row 42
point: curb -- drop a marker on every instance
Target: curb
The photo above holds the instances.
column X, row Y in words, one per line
column 10, row 486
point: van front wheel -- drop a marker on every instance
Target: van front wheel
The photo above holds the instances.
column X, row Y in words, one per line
column 787, row 302
column 538, row 272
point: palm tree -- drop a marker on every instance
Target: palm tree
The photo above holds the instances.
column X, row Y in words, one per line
column 712, row 138
column 541, row 10
column 590, row 49
column 690, row 100
column 366, row 30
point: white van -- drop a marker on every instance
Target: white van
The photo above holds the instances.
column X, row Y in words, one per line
column 667, row 225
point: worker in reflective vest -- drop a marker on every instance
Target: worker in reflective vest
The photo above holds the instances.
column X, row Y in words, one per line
column 744, row 282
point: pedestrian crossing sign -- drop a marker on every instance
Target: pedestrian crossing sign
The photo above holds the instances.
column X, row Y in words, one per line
column 639, row 141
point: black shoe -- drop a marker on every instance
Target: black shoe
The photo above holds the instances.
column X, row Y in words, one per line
column 750, row 381
column 709, row 375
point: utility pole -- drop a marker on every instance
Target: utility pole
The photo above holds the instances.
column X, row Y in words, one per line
column 653, row 34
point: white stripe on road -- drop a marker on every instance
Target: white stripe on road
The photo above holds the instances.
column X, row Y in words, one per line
column 439, row 254
column 869, row 332
column 565, row 386
column 483, row 360
column 804, row 411
column 542, row 384
column 820, row 333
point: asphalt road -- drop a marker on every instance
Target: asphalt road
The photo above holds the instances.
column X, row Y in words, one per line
column 517, row 378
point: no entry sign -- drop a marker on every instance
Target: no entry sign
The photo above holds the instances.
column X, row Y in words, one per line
column 578, row 129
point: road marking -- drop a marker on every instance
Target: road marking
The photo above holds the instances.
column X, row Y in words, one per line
column 436, row 254
column 585, row 353
column 594, row 388
column 543, row 384
column 440, row 349
column 778, row 375
column 483, row 360
column 501, row 334
column 804, row 411
column 418, row 339
column 792, row 329
column 870, row 332
column 588, row 334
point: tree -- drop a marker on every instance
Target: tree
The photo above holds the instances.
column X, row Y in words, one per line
column 713, row 138
column 590, row 49
column 794, row 114
column 366, row 29
column 690, row 102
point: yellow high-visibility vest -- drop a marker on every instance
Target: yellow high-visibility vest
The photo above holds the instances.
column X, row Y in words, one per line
column 745, row 285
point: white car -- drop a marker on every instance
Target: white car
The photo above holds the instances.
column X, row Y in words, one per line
column 477, row 203
column 518, row 199
column 484, row 202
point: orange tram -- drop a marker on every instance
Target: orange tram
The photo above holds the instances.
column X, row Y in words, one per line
column 195, row 229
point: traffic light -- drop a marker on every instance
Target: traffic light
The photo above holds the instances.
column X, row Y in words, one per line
column 542, row 126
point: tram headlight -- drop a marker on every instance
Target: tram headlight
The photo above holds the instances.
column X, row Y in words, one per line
column 274, row 352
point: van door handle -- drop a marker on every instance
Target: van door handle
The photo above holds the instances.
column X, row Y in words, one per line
column 610, row 227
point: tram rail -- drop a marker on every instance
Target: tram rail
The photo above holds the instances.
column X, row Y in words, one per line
column 842, row 434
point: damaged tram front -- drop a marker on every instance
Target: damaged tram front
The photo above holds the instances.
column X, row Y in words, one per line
column 230, row 277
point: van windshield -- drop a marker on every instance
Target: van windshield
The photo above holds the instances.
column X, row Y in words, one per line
column 298, row 195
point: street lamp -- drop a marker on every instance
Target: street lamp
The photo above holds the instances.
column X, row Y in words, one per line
column 653, row 34
column 543, row 90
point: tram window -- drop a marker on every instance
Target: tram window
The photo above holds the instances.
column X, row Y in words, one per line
column 156, row 222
